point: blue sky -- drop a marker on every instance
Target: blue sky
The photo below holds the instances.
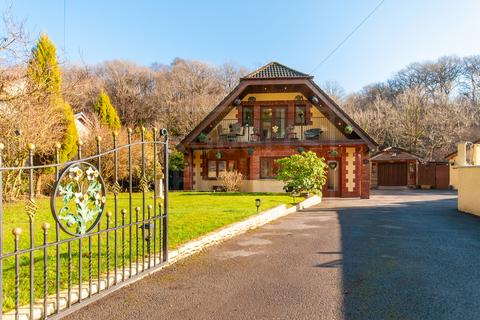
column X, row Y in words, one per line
column 297, row 33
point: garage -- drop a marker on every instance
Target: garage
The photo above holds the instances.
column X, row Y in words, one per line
column 392, row 174
column 394, row 167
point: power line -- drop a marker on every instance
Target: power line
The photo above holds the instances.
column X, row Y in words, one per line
column 348, row 36
column 64, row 26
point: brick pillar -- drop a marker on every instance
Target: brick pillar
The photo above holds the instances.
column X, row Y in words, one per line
column 254, row 167
column 365, row 176
column 343, row 173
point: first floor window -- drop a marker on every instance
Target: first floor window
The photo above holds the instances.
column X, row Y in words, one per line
column 300, row 115
column 268, row 168
column 247, row 115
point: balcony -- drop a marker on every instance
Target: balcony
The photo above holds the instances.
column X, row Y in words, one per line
column 230, row 131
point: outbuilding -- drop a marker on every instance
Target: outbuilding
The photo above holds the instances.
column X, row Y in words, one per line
column 394, row 167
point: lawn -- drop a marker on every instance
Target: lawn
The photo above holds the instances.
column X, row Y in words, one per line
column 191, row 215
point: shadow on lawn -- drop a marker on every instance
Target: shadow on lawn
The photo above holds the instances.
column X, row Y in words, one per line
column 412, row 260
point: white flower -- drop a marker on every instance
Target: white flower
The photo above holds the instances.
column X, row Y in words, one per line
column 75, row 173
column 78, row 196
column 104, row 199
column 71, row 172
column 91, row 174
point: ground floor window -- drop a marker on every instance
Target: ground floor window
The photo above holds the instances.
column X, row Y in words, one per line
column 268, row 168
column 216, row 167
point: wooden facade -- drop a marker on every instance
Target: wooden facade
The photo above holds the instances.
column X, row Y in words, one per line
column 275, row 112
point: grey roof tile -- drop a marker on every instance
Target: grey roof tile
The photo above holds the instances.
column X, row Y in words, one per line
column 275, row 70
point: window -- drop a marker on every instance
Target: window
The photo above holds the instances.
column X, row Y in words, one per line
column 300, row 115
column 216, row 167
column 212, row 169
column 268, row 168
column 247, row 116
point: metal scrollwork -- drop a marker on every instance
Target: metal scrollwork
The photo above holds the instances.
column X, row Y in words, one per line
column 78, row 199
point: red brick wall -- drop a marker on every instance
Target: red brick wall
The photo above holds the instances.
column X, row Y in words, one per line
column 365, row 175
column 362, row 176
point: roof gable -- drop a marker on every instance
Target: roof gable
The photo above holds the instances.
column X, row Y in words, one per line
column 395, row 153
column 275, row 70
column 298, row 78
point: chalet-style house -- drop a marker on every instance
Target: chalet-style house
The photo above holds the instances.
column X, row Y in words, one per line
column 275, row 112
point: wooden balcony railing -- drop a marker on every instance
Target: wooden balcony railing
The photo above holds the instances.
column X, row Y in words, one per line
column 230, row 130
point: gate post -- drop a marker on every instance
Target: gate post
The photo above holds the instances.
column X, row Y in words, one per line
column 164, row 133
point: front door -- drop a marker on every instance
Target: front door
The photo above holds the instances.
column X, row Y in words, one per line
column 273, row 122
column 332, row 187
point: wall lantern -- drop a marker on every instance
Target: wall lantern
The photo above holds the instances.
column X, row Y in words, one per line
column 258, row 202
column 237, row 102
column 315, row 100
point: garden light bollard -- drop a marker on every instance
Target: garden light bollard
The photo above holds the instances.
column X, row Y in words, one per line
column 258, row 202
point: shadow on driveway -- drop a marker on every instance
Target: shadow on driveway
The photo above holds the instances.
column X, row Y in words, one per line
column 416, row 259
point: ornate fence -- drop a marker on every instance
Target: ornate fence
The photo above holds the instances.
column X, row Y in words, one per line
column 92, row 237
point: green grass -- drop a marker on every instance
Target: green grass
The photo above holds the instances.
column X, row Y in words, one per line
column 191, row 215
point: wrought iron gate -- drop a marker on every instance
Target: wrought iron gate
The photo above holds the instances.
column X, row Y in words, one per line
column 93, row 237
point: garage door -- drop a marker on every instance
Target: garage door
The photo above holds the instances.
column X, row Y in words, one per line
column 392, row 174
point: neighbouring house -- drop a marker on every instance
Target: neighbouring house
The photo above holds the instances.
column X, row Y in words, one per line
column 453, row 163
column 466, row 169
column 394, row 167
column 275, row 112
column 84, row 125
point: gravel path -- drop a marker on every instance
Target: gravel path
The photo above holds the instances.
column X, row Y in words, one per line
column 398, row 255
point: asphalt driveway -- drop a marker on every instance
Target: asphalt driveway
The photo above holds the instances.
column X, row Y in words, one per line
column 398, row 255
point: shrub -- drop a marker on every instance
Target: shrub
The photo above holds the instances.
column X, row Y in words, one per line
column 106, row 112
column 232, row 180
column 304, row 172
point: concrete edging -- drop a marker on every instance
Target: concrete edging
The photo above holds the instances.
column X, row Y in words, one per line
column 238, row 228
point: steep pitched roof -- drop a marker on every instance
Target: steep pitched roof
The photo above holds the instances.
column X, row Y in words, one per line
column 275, row 70
column 266, row 74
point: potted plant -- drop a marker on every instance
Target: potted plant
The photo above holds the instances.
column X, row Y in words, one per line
column 218, row 155
column 202, row 137
column 333, row 153
column 348, row 129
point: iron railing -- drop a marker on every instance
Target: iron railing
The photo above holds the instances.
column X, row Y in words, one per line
column 101, row 240
column 231, row 130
